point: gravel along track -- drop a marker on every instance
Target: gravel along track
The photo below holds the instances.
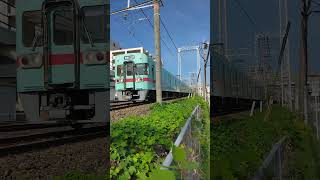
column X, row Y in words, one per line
column 89, row 157
column 130, row 111
column 138, row 109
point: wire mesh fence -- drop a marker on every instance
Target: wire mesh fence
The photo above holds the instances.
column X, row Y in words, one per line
column 189, row 140
column 273, row 165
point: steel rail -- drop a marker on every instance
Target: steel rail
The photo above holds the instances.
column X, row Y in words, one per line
column 31, row 142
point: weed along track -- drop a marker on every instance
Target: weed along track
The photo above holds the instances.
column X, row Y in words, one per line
column 244, row 144
column 139, row 144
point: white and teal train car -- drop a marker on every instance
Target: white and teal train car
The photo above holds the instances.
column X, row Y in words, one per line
column 135, row 79
column 61, row 47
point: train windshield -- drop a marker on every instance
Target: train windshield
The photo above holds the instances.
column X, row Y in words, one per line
column 142, row 69
column 63, row 27
column 95, row 21
column 31, row 28
column 130, row 69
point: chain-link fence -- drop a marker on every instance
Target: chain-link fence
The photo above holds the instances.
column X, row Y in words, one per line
column 189, row 140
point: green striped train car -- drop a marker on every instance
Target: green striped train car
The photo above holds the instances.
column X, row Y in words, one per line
column 135, row 79
column 62, row 61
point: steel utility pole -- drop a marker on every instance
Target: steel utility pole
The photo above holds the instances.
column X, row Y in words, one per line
column 282, row 64
column 288, row 59
column 303, row 76
column 225, row 36
column 206, row 46
column 286, row 97
column 156, row 17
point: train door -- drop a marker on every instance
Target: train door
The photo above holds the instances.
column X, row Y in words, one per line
column 129, row 75
column 63, row 56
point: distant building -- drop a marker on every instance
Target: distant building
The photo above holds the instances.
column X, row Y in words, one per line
column 114, row 46
column 120, row 51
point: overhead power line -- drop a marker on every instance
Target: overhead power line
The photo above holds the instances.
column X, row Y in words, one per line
column 246, row 14
column 168, row 33
column 150, row 23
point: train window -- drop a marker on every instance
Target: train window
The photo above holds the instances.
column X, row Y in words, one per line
column 95, row 20
column 142, row 69
column 31, row 28
column 119, row 70
column 63, row 27
column 129, row 69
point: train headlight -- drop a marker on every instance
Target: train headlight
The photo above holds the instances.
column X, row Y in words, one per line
column 31, row 60
column 120, row 80
column 90, row 57
column 37, row 60
column 139, row 80
column 100, row 56
column 94, row 57
column 24, row 61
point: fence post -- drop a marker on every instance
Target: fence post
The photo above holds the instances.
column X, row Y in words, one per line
column 280, row 163
column 252, row 107
column 317, row 120
column 260, row 106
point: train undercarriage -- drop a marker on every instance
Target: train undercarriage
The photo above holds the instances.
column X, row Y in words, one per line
column 65, row 106
column 146, row 95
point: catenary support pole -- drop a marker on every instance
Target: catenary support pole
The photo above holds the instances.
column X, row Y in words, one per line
column 157, row 50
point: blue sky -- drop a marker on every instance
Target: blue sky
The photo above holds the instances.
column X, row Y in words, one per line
column 186, row 20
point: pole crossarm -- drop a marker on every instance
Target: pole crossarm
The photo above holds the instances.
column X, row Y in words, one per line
column 189, row 48
column 135, row 7
column 184, row 49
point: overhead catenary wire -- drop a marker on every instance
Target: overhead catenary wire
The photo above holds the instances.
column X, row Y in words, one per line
column 132, row 34
column 150, row 23
column 247, row 14
column 168, row 33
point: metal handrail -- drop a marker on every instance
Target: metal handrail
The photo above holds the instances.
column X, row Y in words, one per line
column 266, row 163
column 167, row 162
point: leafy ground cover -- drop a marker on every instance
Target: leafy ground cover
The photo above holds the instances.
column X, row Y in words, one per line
column 75, row 175
column 240, row 145
column 139, row 143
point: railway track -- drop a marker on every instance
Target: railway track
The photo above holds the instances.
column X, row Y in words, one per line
column 30, row 139
column 21, row 137
column 126, row 104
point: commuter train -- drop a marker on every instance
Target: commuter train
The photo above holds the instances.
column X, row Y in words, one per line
column 62, row 61
column 135, row 78
column 231, row 88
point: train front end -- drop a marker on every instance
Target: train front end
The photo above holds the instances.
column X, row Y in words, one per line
column 134, row 77
column 62, row 69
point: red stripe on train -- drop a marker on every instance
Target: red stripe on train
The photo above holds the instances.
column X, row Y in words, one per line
column 60, row 59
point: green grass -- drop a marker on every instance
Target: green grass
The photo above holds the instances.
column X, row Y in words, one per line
column 75, row 175
column 239, row 146
column 139, row 143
